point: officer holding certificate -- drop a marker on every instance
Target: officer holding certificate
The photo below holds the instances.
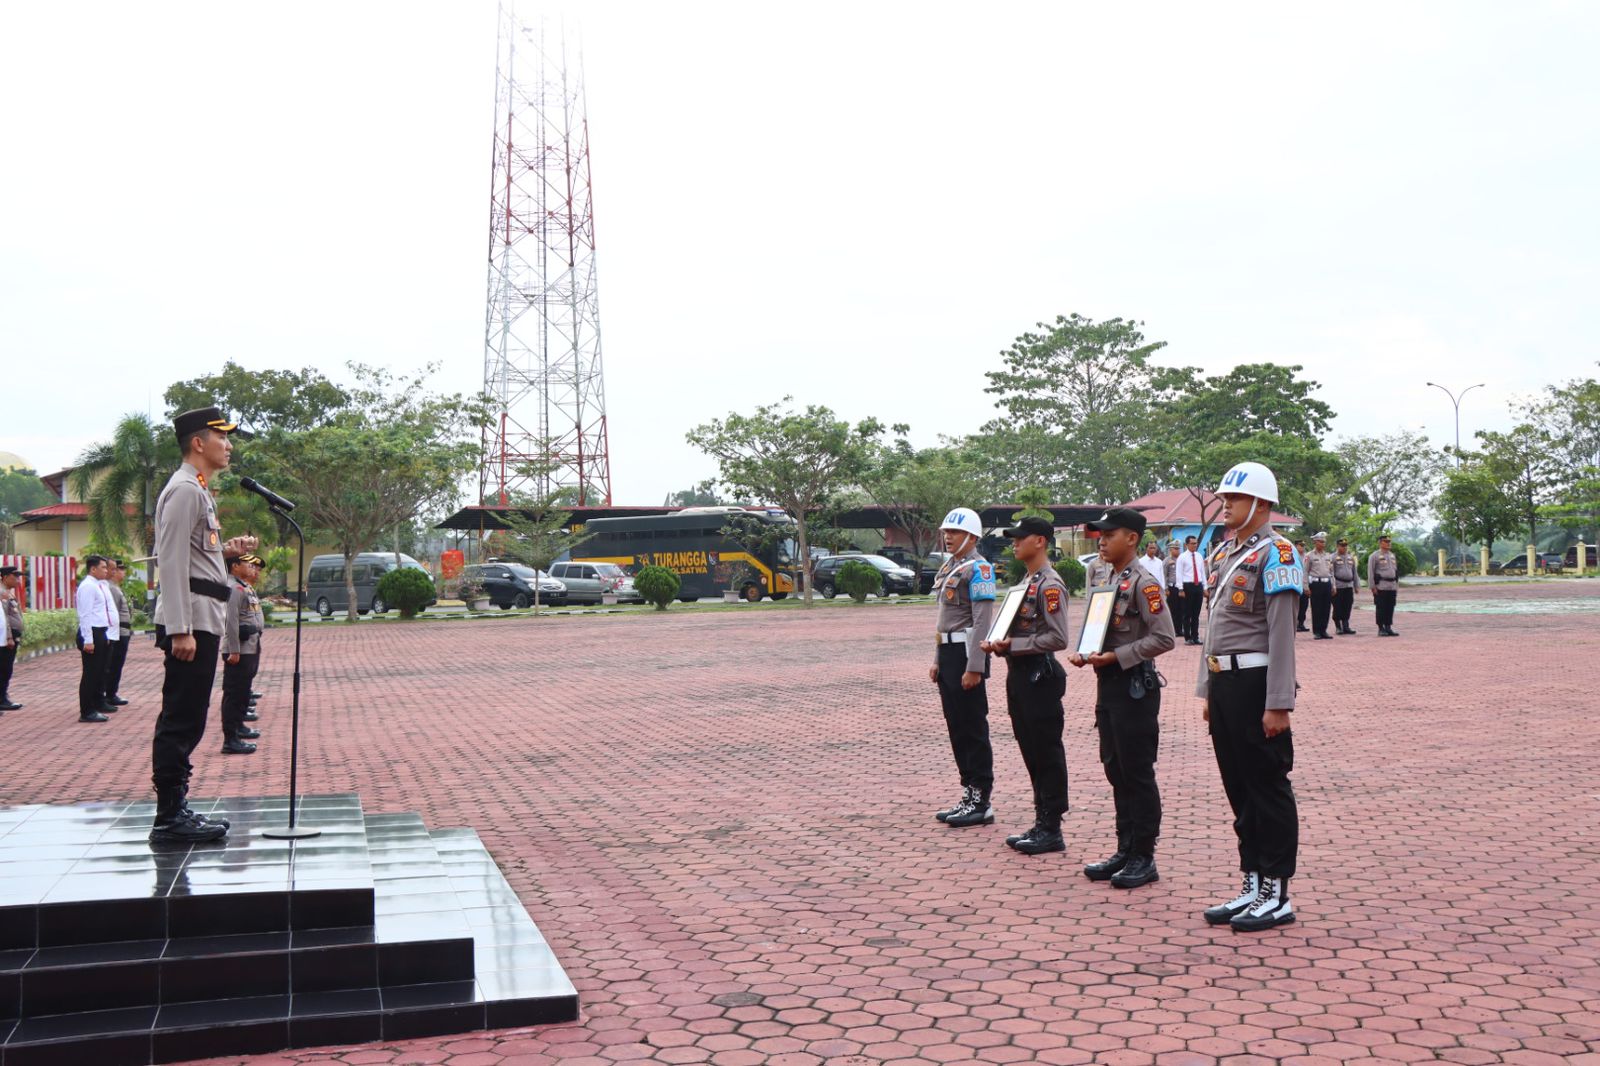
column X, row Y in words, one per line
column 1035, row 682
column 1128, row 699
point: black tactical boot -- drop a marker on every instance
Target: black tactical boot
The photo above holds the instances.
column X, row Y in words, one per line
column 1044, row 838
column 246, row 733
column 235, row 746
column 1223, row 913
column 202, row 819
column 1103, row 870
column 975, row 812
column 968, row 793
column 175, row 825
column 1032, row 831
column 250, row 716
column 93, row 716
column 1140, row 870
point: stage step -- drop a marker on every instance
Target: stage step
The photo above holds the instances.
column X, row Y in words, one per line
column 441, row 944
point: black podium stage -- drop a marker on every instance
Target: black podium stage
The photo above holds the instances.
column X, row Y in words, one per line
column 115, row 951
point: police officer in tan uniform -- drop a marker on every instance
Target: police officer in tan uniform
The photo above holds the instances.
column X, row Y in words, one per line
column 10, row 582
column 1035, row 683
column 1383, row 578
column 1169, row 575
column 1128, row 700
column 1346, row 579
column 189, row 617
column 241, row 653
column 965, row 587
column 1319, row 574
column 1247, row 681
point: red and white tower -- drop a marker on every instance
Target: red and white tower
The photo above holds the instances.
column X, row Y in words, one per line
column 541, row 346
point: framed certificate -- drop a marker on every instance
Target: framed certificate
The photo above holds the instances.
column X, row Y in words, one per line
column 1007, row 614
column 1096, row 620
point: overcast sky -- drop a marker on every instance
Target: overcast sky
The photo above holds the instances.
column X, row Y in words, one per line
column 859, row 204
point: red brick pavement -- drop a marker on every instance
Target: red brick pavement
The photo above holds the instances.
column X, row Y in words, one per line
column 722, row 823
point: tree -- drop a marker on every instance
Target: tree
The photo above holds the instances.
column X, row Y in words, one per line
column 1251, row 398
column 657, row 585
column 1520, row 462
column 262, row 399
column 394, row 452
column 917, row 488
column 126, row 474
column 537, row 531
column 1474, row 502
column 860, row 580
column 702, row 494
column 795, row 459
column 1398, row 472
column 1569, row 417
column 20, row 491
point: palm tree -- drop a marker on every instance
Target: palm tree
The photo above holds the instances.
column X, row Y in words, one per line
column 126, row 473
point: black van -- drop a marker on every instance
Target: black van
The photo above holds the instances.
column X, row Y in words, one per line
column 325, row 581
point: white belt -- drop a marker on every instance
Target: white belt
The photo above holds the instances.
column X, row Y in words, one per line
column 1247, row 661
column 953, row 638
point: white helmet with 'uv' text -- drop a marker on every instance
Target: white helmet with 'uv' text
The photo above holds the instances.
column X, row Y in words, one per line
column 964, row 520
column 1250, row 479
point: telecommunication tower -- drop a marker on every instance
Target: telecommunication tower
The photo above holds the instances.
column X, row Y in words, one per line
column 541, row 347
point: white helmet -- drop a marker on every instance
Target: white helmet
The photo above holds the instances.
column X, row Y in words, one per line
column 1250, row 479
column 964, row 520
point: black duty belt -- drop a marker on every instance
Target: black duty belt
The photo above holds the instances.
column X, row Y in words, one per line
column 215, row 590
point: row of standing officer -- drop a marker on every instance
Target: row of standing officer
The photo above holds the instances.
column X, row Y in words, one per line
column 1246, row 682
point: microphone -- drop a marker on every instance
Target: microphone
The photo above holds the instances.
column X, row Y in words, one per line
column 267, row 494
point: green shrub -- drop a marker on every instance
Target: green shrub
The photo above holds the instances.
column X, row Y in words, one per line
column 860, row 580
column 1073, row 573
column 407, row 589
column 44, row 628
column 657, row 585
column 134, row 589
column 1403, row 555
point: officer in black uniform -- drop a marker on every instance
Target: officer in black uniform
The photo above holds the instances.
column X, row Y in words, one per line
column 1128, row 700
column 1035, row 683
column 189, row 618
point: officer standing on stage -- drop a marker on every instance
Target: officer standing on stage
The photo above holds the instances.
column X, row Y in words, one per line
column 1247, row 681
column 119, row 648
column 189, row 617
column 965, row 587
column 1319, row 574
column 1035, row 683
column 1128, row 700
column 1383, row 578
column 1346, row 579
column 1169, row 576
column 241, row 653
column 10, row 581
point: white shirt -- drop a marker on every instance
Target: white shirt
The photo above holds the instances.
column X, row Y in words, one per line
column 1191, row 569
column 1156, row 568
column 96, row 609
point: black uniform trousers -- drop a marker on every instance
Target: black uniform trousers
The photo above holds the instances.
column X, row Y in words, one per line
column 1343, row 600
column 236, row 681
column 1194, row 595
column 1175, row 602
column 1130, row 734
column 966, row 713
column 1383, row 601
column 1036, row 721
column 1255, row 773
column 119, row 656
column 8, row 662
column 1305, row 604
column 92, row 682
column 185, row 700
column 1321, row 605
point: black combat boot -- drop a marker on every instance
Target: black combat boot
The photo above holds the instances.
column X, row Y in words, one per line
column 1140, row 870
column 1038, row 824
column 235, row 746
column 968, row 794
column 250, row 715
column 176, row 825
column 1104, row 869
column 246, row 733
column 1044, row 838
column 975, row 812
column 202, row 819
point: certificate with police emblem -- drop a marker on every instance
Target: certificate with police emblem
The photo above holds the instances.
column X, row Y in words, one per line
column 1096, row 620
column 1007, row 614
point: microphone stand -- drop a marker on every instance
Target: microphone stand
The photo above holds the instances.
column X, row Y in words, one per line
column 293, row 831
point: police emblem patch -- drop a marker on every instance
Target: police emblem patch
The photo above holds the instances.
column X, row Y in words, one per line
column 1052, row 600
column 1152, row 599
column 1286, row 553
column 1241, row 581
column 1238, row 598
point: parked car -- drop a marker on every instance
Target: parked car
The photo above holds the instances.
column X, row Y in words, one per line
column 1591, row 561
column 325, row 581
column 1547, row 561
column 511, row 585
column 930, row 570
column 896, row 578
column 588, row 581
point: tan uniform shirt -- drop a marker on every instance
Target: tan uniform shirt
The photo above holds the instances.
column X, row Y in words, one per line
column 244, row 609
column 1041, row 623
column 966, row 589
column 1141, row 625
column 124, row 612
column 1169, row 572
column 1319, row 565
column 14, row 616
column 1098, row 573
column 1383, row 571
column 1254, row 607
column 1346, row 574
column 189, row 545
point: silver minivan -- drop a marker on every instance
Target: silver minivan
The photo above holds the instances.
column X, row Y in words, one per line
column 587, row 581
column 325, row 581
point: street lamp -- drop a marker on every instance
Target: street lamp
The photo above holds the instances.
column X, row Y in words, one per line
column 1456, row 400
